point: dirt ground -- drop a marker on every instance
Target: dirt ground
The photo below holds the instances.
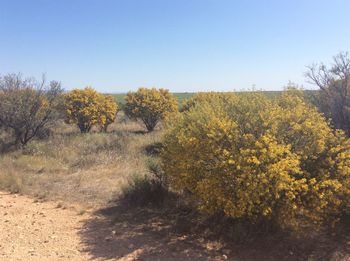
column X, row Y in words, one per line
column 31, row 230
column 38, row 231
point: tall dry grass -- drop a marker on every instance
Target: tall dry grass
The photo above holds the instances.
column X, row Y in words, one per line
column 85, row 169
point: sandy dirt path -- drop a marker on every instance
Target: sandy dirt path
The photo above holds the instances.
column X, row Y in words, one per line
column 31, row 230
column 38, row 231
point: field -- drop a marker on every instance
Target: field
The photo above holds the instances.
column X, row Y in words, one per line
column 80, row 169
column 88, row 170
column 225, row 140
column 104, row 186
column 85, row 175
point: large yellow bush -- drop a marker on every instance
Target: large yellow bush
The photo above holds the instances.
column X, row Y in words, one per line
column 255, row 158
column 150, row 105
column 87, row 108
column 108, row 111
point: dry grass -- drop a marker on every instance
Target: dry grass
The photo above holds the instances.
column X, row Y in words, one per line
column 89, row 170
column 85, row 169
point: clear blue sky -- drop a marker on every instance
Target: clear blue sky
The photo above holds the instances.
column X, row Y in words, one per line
column 182, row 45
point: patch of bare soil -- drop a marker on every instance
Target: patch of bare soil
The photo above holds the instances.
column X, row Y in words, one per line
column 31, row 230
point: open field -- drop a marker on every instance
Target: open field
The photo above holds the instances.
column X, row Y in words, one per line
column 86, row 169
column 104, row 188
column 175, row 131
column 80, row 178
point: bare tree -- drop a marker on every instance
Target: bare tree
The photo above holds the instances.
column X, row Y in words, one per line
column 334, row 83
column 27, row 106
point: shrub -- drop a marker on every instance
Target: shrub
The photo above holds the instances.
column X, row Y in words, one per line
column 87, row 108
column 258, row 159
column 333, row 99
column 143, row 190
column 198, row 98
column 108, row 111
column 156, row 171
column 27, row 106
column 149, row 189
column 150, row 105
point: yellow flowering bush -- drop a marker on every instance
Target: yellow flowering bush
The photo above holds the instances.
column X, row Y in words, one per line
column 87, row 108
column 150, row 105
column 108, row 111
column 198, row 98
column 256, row 158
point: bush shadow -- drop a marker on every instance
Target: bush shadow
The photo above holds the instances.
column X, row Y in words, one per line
column 145, row 233
column 126, row 232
